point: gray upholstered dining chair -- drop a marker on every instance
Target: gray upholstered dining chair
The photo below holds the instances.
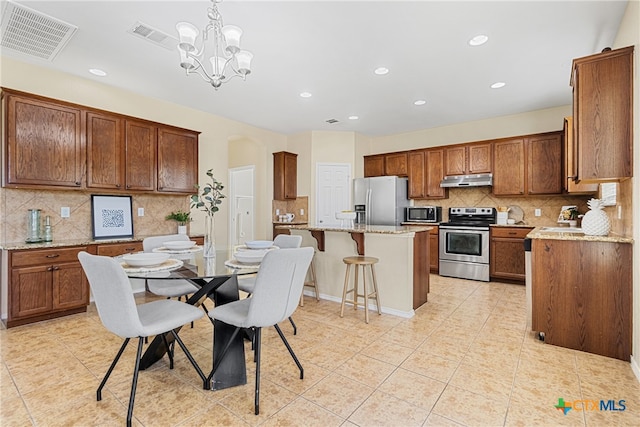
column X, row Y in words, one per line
column 119, row 313
column 282, row 241
column 279, row 284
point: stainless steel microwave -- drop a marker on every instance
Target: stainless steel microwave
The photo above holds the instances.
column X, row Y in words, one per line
column 423, row 214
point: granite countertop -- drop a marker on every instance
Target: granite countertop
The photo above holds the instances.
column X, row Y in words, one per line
column 57, row 243
column 512, row 225
column 421, row 224
column 538, row 233
column 290, row 223
column 379, row 229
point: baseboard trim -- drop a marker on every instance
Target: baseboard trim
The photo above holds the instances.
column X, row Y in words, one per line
column 385, row 310
column 635, row 368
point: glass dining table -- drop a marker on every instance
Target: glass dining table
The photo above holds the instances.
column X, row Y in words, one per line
column 216, row 278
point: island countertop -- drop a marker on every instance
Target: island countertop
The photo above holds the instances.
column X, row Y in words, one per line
column 379, row 229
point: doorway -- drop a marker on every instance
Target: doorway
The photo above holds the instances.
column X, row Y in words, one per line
column 333, row 192
column 242, row 205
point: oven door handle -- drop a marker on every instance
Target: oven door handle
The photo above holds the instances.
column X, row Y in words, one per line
column 462, row 228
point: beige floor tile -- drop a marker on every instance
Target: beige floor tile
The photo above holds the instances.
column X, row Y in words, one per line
column 287, row 375
column 436, row 420
column 469, row 408
column 214, row 416
column 366, row 370
column 302, row 412
column 13, row 412
column 338, row 394
column 495, row 385
column 381, row 409
column 413, row 388
column 541, row 412
column 387, row 351
column 431, row 366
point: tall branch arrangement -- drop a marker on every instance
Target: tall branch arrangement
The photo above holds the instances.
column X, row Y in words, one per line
column 210, row 197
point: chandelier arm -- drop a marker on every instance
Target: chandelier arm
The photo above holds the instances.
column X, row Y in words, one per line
column 200, row 70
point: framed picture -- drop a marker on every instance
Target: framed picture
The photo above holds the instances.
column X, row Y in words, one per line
column 111, row 216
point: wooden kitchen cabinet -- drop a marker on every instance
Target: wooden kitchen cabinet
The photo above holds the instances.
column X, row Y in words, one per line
column 374, row 165
column 116, row 249
column 468, row 159
column 121, row 154
column 603, row 115
column 529, row 165
column 544, row 164
column 507, row 253
column 435, row 174
column 44, row 144
column 45, row 283
column 425, row 169
column 581, row 295
column 395, row 164
column 434, row 254
column 509, row 173
column 569, row 172
column 177, row 160
column 285, row 175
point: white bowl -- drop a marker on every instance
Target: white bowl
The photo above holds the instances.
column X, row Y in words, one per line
column 177, row 245
column 145, row 259
column 259, row 244
column 250, row 257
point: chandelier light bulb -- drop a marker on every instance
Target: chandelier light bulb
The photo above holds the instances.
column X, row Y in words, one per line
column 219, row 43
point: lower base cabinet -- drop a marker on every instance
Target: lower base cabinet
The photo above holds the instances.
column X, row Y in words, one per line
column 581, row 295
column 434, row 264
column 507, row 253
column 44, row 284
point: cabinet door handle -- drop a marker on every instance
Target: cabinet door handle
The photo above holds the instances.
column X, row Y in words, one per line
column 117, row 185
column 55, row 268
column 78, row 183
column 128, row 186
column 130, row 249
column 50, row 268
column 512, row 233
column 53, row 256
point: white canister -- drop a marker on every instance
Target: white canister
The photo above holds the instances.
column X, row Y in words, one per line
column 501, row 218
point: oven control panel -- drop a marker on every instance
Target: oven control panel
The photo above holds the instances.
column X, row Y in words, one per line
column 471, row 211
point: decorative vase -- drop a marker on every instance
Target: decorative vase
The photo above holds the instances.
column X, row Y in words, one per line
column 595, row 222
column 209, row 249
column 182, row 229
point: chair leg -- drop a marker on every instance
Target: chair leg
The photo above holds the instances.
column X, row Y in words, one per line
column 204, row 307
column 188, row 354
column 169, row 350
column 293, row 355
column 258, row 333
column 344, row 290
column 222, row 355
column 134, row 382
column 295, row 328
column 113, row 365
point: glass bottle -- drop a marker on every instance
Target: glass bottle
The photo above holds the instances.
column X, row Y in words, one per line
column 33, row 226
column 48, row 233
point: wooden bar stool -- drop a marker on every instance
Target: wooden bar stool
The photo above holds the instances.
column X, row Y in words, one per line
column 360, row 261
column 313, row 282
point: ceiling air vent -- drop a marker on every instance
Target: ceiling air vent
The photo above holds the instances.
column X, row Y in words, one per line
column 153, row 35
column 33, row 33
column 332, row 121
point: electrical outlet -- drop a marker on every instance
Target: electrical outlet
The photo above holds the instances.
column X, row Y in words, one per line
column 301, row 211
column 140, row 211
column 538, row 212
column 277, row 211
column 619, row 211
column 65, row 212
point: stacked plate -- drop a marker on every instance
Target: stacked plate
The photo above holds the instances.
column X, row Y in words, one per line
column 179, row 245
column 253, row 252
column 145, row 259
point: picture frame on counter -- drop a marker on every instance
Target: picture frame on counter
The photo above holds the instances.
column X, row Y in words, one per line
column 111, row 216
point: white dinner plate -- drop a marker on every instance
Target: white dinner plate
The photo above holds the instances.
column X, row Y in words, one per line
column 259, row 244
column 145, row 259
column 179, row 244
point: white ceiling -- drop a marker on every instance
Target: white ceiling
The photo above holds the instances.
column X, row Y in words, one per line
column 331, row 49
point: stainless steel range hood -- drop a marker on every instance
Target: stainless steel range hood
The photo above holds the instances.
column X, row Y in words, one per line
column 479, row 180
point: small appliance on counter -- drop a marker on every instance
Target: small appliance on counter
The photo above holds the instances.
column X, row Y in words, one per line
column 502, row 215
column 423, row 214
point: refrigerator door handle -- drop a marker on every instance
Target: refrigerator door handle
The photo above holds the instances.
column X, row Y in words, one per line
column 367, row 214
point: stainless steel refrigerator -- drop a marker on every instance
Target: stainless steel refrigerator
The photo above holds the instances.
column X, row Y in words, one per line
column 380, row 200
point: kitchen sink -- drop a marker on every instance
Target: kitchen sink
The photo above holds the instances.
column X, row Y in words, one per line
column 561, row 229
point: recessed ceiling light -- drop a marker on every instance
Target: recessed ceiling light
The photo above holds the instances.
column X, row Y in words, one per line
column 381, row 71
column 498, row 85
column 420, row 102
column 478, row 40
column 97, row 72
column 353, row 117
column 305, row 94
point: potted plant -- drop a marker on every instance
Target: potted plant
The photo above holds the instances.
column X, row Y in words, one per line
column 209, row 201
column 181, row 217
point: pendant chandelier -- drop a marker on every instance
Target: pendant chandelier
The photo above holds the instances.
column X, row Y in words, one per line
column 220, row 45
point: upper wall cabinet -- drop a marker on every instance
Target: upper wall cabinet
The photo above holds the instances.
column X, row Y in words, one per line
column 388, row 164
column 285, row 175
column 569, row 172
column 43, row 142
column 374, row 165
column 121, row 154
column 529, row 165
column 425, row 169
column 177, row 156
column 45, row 148
column 603, row 115
column 468, row 159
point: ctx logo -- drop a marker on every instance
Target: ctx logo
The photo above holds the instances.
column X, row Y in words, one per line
column 590, row 405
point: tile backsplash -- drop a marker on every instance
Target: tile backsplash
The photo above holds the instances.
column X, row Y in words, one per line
column 293, row 206
column 550, row 206
column 16, row 203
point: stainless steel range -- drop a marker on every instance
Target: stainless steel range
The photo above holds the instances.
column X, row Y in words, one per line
column 464, row 243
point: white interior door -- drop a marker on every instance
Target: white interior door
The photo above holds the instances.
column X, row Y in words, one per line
column 242, row 205
column 333, row 190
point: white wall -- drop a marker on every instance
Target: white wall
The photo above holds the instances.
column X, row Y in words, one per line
column 629, row 34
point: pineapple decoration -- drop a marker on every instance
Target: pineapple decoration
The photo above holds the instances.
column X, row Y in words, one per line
column 595, row 222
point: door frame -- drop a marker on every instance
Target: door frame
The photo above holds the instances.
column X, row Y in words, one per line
column 317, row 188
column 232, row 196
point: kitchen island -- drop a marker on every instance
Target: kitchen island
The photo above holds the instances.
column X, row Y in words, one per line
column 402, row 272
